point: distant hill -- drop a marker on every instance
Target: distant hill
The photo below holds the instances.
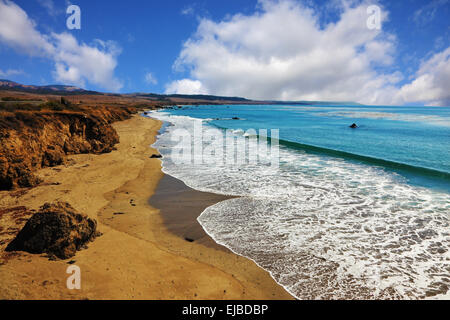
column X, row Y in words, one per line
column 64, row 90
column 51, row 89
column 193, row 96
column 71, row 90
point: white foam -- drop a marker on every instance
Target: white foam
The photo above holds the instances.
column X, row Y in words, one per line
column 323, row 227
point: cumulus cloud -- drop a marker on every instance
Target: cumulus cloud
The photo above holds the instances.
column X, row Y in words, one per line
column 186, row 86
column 432, row 83
column 75, row 63
column 283, row 52
column 18, row 31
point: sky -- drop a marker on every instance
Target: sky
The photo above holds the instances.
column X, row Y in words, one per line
column 372, row 52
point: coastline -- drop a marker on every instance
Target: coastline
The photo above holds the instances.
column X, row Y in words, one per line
column 138, row 256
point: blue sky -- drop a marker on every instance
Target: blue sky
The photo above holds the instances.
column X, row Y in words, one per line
column 234, row 47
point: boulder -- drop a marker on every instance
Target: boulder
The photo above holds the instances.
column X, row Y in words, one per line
column 53, row 157
column 155, row 156
column 57, row 229
column 354, row 126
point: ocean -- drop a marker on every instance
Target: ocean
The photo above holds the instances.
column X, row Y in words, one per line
column 347, row 213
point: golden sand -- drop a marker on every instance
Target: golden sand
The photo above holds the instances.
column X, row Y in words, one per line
column 137, row 257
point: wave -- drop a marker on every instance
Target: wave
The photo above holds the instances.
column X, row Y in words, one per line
column 367, row 159
column 386, row 163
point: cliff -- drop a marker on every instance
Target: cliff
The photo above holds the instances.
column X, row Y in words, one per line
column 33, row 139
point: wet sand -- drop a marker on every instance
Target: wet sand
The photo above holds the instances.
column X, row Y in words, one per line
column 180, row 207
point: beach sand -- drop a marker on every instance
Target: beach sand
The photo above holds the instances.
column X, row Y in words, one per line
column 143, row 252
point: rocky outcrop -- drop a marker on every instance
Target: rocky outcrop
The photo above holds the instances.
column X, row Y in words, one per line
column 30, row 140
column 57, row 229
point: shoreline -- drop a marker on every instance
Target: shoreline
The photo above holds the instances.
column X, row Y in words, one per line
column 137, row 257
column 173, row 196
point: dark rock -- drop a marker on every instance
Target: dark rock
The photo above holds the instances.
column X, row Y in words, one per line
column 53, row 158
column 65, row 102
column 236, row 118
column 57, row 229
column 155, row 156
column 28, row 180
column 354, row 126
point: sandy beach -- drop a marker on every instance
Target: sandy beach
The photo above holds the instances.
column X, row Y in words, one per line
column 151, row 247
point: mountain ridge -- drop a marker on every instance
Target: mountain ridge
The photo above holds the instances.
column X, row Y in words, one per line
column 64, row 90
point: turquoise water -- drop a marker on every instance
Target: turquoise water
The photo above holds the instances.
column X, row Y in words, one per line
column 413, row 141
column 348, row 213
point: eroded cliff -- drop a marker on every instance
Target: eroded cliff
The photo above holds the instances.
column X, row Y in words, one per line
column 32, row 139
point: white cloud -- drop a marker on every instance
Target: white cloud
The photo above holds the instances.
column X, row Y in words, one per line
column 432, row 83
column 10, row 72
column 18, row 31
column 75, row 63
column 150, row 78
column 282, row 52
column 185, row 86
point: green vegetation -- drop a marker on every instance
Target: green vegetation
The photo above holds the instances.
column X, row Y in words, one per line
column 8, row 99
column 12, row 107
column 62, row 105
